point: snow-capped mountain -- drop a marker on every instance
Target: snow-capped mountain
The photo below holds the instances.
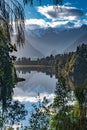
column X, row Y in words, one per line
column 42, row 42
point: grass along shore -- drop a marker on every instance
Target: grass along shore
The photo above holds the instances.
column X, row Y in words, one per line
column 31, row 66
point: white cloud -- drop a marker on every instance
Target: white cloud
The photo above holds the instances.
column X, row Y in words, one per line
column 33, row 24
column 84, row 21
column 79, row 23
column 66, row 17
column 40, row 23
column 61, row 13
column 36, row 23
column 67, row 4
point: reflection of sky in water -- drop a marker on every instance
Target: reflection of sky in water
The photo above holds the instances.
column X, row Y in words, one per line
column 27, row 91
column 36, row 82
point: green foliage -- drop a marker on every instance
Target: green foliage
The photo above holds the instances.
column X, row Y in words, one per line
column 40, row 117
column 10, row 128
column 12, row 12
column 79, row 117
column 9, row 12
column 67, row 116
column 61, row 94
column 10, row 112
column 14, row 112
column 80, row 93
column 7, row 71
column 76, row 67
column 61, row 117
column 1, row 121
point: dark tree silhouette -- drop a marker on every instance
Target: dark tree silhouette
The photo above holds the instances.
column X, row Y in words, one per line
column 12, row 16
column 55, row 2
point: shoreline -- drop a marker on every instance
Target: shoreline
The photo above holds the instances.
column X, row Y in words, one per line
column 31, row 66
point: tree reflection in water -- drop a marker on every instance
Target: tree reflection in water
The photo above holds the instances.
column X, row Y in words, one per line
column 72, row 117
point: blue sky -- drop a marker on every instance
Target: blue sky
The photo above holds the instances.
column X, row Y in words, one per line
column 73, row 13
column 45, row 18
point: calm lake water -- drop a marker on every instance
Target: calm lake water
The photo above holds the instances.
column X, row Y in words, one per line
column 37, row 82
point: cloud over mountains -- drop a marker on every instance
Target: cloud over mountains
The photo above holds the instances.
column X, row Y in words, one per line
column 61, row 17
column 61, row 13
column 43, row 42
column 49, row 30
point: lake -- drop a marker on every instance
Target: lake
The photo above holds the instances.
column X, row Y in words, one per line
column 37, row 82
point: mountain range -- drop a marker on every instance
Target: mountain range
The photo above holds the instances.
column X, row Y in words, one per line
column 43, row 42
column 82, row 39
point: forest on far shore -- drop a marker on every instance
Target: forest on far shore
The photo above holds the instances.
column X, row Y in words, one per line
column 71, row 65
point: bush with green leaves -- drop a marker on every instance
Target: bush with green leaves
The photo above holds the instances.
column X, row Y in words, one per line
column 40, row 116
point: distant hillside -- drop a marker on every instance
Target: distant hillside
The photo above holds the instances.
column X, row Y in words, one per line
column 43, row 42
column 79, row 41
column 50, row 40
column 28, row 50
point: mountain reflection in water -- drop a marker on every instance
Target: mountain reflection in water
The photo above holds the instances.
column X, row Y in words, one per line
column 35, row 83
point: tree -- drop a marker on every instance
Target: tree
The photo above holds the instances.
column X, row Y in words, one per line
column 81, row 95
column 11, row 19
column 40, row 117
column 12, row 16
column 61, row 118
column 12, row 114
column 61, row 91
column 7, row 72
column 55, row 2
